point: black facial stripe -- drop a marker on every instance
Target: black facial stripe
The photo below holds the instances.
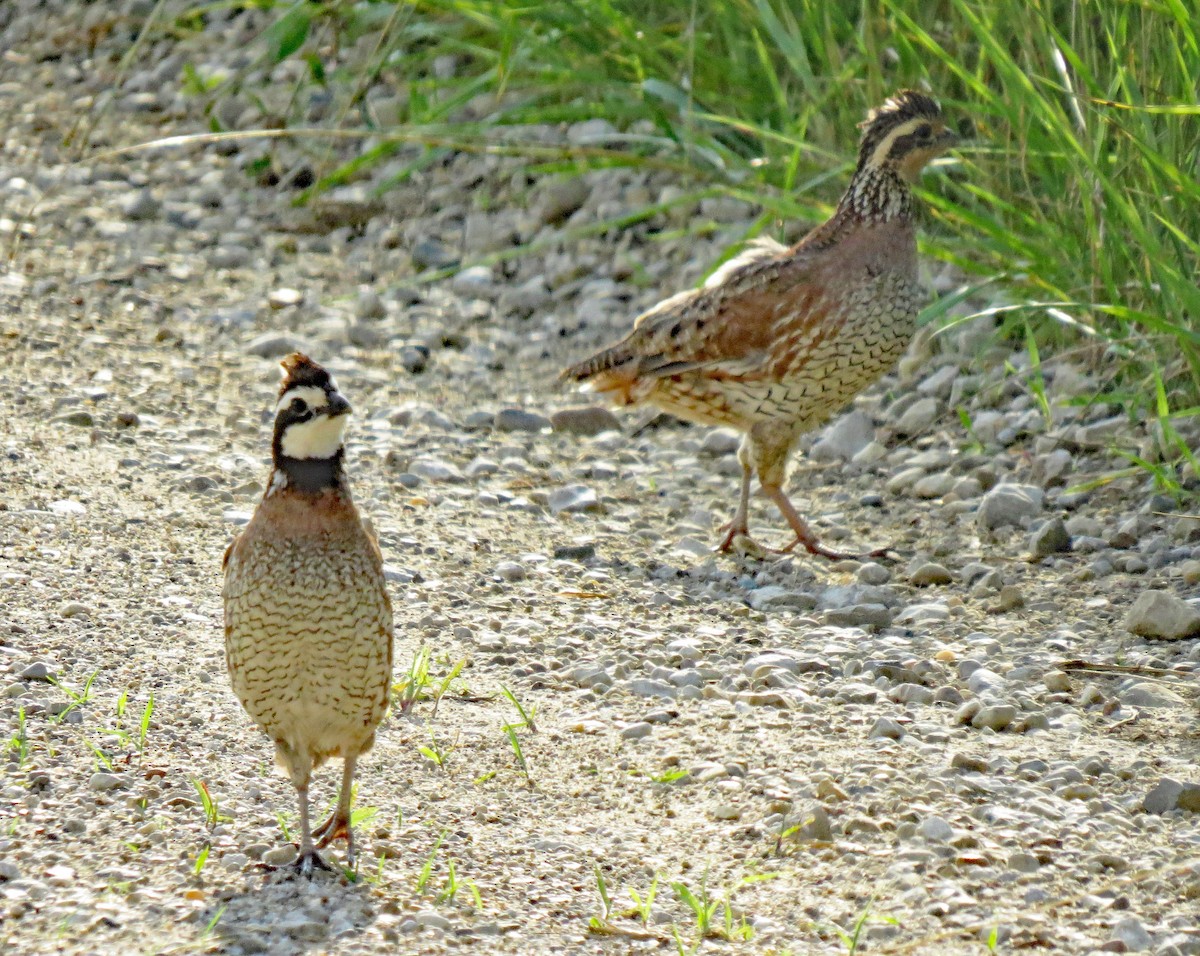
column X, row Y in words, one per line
column 906, row 144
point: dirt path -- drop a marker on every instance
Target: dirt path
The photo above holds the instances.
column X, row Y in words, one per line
column 816, row 744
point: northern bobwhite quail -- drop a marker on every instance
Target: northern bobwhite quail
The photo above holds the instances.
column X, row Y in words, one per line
column 308, row 622
column 779, row 339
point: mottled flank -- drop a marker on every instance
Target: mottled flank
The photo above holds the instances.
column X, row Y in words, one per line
column 781, row 338
column 308, row 627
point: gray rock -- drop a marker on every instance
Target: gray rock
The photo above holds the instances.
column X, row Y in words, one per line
column 817, row 827
column 1009, row 504
column 107, row 781
column 1163, row 796
column 936, row 830
column 873, row 573
column 994, row 716
column 231, row 256
column 934, row 486
column 519, row 420
column 434, row 469
column 414, row 359
column 582, row 551
column 276, row 345
column 80, row 418
column 1160, row 614
column 1099, row 434
column 475, row 282
column 1051, row 538
column 947, row 695
column 1169, row 794
column 1057, row 682
column 284, row 298
column 930, row 573
column 369, row 305
column 770, row 660
column 1133, row 934
column 433, row 919
column 1023, row 862
column 510, row 571
column 1010, row 598
column 724, row 208
column 574, row 499
column 905, row 479
column 980, row 679
column 527, row 298
column 9, row 870
column 481, row 468
column 431, row 254
column 920, row 614
column 1151, row 696
column 844, row 439
column 636, row 731
column 560, row 199
column 886, row 727
column 1049, row 468
column 593, row 132
column 140, row 206
column 939, row 382
column 869, row 616
column 584, row 420
column 871, row 454
column 908, row 693
column 645, row 687
column 1084, row 526
column 775, row 598
column 918, row 417
column 300, row 924
column 38, row 670
column 720, row 441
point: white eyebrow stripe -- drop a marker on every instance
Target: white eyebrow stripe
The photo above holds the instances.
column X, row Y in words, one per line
column 314, row 397
column 885, row 146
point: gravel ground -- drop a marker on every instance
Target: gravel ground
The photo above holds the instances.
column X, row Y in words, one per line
column 993, row 738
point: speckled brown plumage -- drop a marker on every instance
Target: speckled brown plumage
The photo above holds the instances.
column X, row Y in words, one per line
column 780, row 338
column 308, row 622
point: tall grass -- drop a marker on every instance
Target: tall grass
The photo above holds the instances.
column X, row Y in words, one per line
column 1079, row 191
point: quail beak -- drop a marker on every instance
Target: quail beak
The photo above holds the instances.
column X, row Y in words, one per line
column 337, row 406
column 947, row 139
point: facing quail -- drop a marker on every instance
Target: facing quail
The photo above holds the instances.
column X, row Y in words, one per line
column 779, row 338
column 308, row 622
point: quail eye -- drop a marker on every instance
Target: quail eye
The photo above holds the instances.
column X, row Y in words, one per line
column 924, row 130
column 298, row 406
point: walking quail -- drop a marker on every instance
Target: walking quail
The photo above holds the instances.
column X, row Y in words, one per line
column 779, row 339
column 308, row 622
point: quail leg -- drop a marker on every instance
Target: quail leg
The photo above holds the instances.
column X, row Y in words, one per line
column 338, row 824
column 309, row 859
column 804, row 534
column 740, row 525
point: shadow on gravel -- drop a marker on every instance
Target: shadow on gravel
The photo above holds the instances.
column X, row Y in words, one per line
column 282, row 913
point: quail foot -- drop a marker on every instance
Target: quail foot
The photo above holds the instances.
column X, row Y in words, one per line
column 780, row 338
column 308, row 621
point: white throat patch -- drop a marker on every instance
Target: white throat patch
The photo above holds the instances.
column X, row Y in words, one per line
column 319, row 437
